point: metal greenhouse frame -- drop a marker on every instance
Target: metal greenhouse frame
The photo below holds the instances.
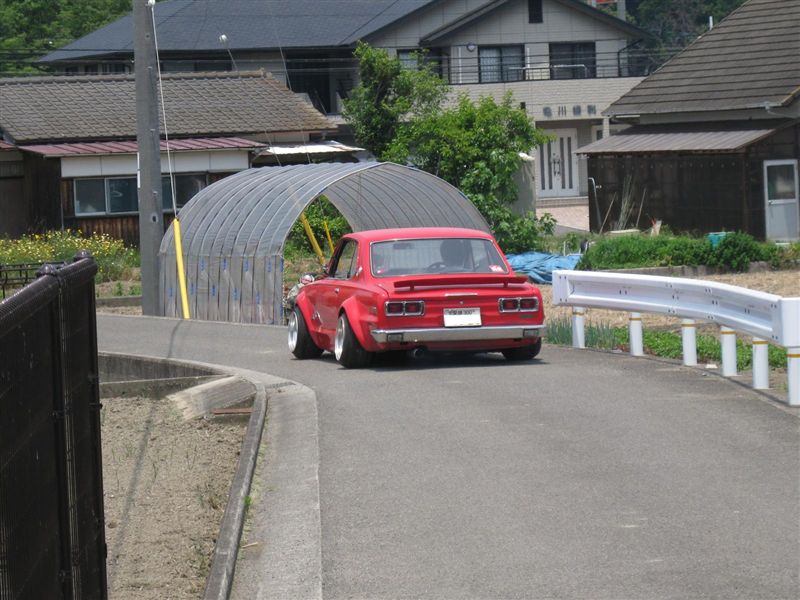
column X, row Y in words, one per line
column 235, row 229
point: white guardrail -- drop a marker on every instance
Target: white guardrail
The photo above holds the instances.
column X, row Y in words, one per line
column 766, row 317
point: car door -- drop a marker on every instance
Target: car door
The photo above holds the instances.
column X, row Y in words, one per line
column 338, row 286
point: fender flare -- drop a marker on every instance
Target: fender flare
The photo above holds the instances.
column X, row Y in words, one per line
column 359, row 323
column 305, row 309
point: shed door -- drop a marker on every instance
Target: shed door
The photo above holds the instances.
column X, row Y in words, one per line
column 558, row 166
column 781, row 197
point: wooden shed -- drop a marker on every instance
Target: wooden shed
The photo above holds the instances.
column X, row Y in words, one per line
column 714, row 140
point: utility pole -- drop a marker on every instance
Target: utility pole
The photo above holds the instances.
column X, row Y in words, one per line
column 151, row 222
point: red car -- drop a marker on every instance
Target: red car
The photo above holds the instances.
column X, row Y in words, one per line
column 431, row 288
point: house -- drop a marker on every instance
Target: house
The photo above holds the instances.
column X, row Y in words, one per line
column 715, row 140
column 68, row 156
column 564, row 60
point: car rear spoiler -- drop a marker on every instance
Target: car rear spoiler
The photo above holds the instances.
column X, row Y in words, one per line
column 450, row 280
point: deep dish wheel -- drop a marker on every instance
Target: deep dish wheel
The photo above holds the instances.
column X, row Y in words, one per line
column 300, row 342
column 346, row 347
column 524, row 352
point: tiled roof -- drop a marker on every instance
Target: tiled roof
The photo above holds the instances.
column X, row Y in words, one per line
column 195, row 25
column 48, row 109
column 131, row 147
column 750, row 60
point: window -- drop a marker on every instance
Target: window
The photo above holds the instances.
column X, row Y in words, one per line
column 115, row 68
column 535, row 11
column 186, row 187
column 413, row 59
column 435, row 255
column 117, row 195
column 573, row 61
column 345, row 266
column 501, row 63
column 408, row 59
column 90, row 196
column 122, row 195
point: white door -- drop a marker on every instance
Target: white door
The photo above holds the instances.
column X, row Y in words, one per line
column 558, row 165
column 781, row 198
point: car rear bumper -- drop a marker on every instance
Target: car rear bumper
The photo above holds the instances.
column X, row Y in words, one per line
column 457, row 334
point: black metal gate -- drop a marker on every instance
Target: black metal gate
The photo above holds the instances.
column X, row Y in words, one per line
column 52, row 533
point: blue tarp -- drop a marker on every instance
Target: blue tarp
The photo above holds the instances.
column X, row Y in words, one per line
column 539, row 266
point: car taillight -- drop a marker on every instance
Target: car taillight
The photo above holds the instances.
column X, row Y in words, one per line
column 394, row 308
column 509, row 304
column 518, row 304
column 414, row 308
column 407, row 308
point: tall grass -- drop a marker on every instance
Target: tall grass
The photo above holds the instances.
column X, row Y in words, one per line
column 665, row 344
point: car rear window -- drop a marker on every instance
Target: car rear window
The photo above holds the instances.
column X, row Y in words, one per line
column 435, row 255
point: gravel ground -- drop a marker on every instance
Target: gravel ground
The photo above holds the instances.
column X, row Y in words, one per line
column 166, row 484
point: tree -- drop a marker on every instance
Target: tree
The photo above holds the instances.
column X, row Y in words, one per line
column 675, row 23
column 31, row 28
column 401, row 115
column 388, row 95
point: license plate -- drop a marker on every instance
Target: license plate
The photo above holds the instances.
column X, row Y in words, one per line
column 462, row 317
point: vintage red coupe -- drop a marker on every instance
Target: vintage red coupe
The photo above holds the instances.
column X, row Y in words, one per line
column 431, row 288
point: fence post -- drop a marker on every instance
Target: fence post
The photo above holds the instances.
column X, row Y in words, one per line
column 689, row 338
column 793, row 360
column 635, row 334
column 578, row 334
column 760, row 364
column 728, row 343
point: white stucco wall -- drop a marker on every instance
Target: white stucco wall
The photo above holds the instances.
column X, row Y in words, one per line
column 561, row 96
column 182, row 162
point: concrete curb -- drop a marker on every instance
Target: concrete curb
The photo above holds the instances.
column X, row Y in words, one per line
column 223, row 564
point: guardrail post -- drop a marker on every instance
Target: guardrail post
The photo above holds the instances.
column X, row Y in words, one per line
column 728, row 343
column 689, row 338
column 760, row 364
column 635, row 334
column 578, row 335
column 793, row 360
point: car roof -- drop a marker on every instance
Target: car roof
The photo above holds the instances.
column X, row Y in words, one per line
column 404, row 233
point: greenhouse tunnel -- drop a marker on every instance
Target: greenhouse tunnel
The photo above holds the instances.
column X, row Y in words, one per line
column 234, row 230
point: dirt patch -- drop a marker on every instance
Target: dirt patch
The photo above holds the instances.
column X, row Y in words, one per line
column 166, row 484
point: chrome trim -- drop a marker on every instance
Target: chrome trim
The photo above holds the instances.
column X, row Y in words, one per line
column 457, row 334
column 519, row 300
column 405, row 313
column 534, row 309
column 503, row 310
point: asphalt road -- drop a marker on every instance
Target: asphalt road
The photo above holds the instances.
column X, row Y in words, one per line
column 578, row 475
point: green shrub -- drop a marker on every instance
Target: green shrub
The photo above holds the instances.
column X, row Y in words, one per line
column 632, row 251
column 318, row 212
column 114, row 260
column 735, row 252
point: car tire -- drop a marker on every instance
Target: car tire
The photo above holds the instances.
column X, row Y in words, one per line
column 523, row 352
column 300, row 342
column 346, row 348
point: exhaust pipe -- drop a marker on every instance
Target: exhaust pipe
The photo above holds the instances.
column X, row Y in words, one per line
column 419, row 352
